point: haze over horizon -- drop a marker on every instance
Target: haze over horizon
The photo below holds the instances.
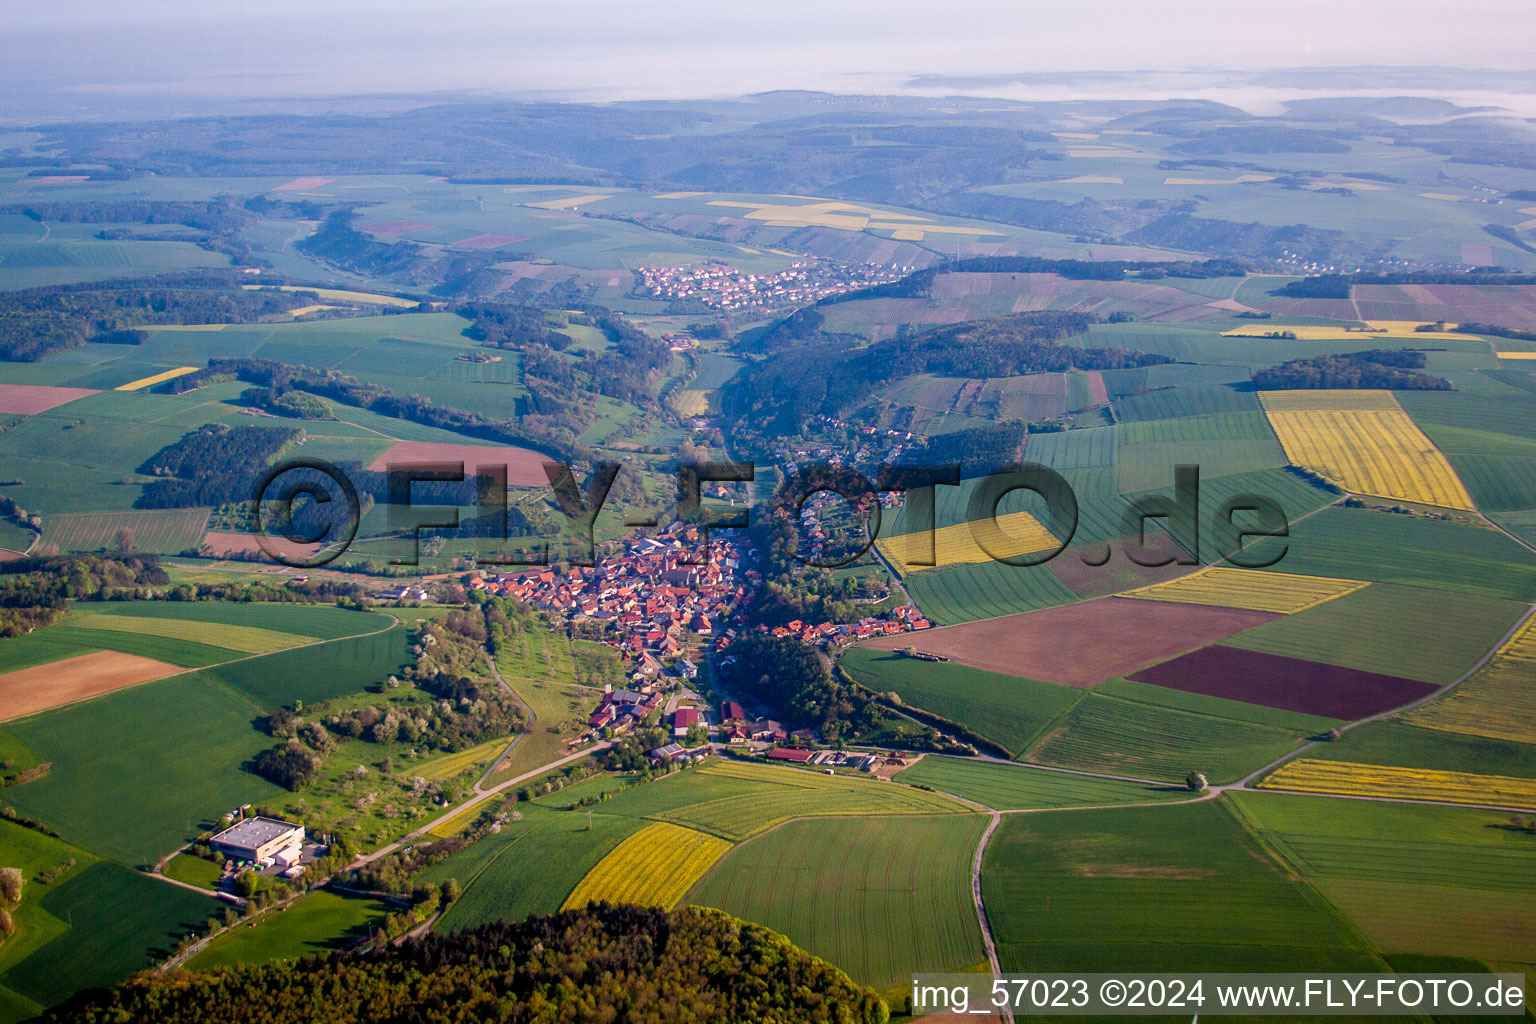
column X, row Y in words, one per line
column 78, row 59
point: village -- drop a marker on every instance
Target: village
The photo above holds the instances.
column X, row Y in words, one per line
column 720, row 286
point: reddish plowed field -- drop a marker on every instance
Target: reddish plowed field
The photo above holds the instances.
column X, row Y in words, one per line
column 1291, row 684
column 1081, row 644
column 524, row 468
column 26, row 399
column 300, row 184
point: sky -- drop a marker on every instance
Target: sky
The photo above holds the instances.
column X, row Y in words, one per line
column 98, row 55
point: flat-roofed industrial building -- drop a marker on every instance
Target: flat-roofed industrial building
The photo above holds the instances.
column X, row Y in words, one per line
column 263, row 840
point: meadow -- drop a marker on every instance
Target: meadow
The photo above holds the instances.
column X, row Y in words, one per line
column 541, row 668
column 318, row 923
column 1017, row 787
column 1082, row 889
column 879, row 897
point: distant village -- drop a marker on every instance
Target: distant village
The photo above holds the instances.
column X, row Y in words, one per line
column 723, row 287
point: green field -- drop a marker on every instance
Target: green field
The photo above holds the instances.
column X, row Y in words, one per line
column 1414, row 879
column 778, row 794
column 117, row 922
column 52, row 643
column 1119, row 737
column 238, row 639
column 1394, row 742
column 1363, row 545
column 33, row 853
column 317, row 923
column 1433, row 635
column 495, row 872
column 166, row 532
column 320, row 621
column 320, row 671
column 540, row 666
column 134, row 771
column 1007, row 710
column 1154, row 889
column 1016, row 787
column 984, row 590
column 194, row 870
column 880, row 898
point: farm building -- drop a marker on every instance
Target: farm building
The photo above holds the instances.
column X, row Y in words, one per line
column 791, row 754
column 262, row 840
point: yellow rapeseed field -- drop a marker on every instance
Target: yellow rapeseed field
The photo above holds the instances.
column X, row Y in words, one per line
column 144, row 382
column 449, row 765
column 692, row 403
column 459, row 822
column 338, row 294
column 1409, row 783
column 1498, row 702
column 1250, row 589
column 655, row 867
column 1325, row 332
column 1517, row 355
column 956, row 545
column 1364, row 442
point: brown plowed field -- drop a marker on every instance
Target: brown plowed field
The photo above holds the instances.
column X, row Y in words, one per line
column 26, row 399
column 1080, row 644
column 1291, row 684
column 525, row 468
column 30, row 690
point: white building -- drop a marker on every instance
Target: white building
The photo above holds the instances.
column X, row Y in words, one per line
column 263, row 840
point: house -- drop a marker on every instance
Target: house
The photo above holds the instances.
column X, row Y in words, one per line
column 795, row 755
column 731, row 711
column 687, row 669
column 260, row 840
column 664, row 753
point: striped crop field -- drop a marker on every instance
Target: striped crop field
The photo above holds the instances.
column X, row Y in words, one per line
column 1498, row 702
column 246, row 639
column 1022, row 534
column 693, row 403
column 1249, row 588
column 449, row 765
column 159, row 378
column 1364, row 442
column 1342, row 777
column 655, row 867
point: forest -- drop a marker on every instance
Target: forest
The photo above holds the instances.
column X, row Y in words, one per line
column 826, row 379
column 214, row 465
column 1390, row 369
column 35, row 322
column 789, row 675
column 601, row 963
